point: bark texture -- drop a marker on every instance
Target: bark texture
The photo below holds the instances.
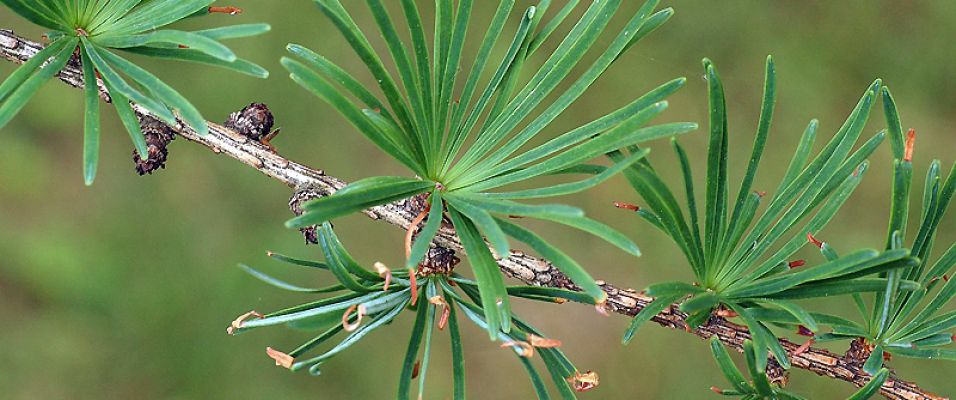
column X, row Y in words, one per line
column 525, row 268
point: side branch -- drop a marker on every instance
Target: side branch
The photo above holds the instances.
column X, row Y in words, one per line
column 525, row 268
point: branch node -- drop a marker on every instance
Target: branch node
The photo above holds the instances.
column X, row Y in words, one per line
column 255, row 122
column 300, row 197
column 158, row 136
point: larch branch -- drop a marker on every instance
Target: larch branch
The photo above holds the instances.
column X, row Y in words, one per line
column 525, row 268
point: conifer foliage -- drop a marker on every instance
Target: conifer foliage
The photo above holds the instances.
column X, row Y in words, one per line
column 465, row 148
column 90, row 32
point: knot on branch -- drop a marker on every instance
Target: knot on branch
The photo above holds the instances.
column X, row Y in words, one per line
column 255, row 122
column 75, row 60
column 438, row 261
column 777, row 374
column 416, row 204
column 299, row 197
column 859, row 351
column 158, row 135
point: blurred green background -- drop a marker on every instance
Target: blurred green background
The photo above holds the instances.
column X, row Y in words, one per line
column 124, row 290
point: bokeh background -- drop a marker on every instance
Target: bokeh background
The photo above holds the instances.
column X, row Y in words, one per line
column 124, row 290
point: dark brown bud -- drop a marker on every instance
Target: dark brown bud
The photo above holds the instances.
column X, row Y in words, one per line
column 158, row 136
column 75, row 60
column 438, row 260
column 255, row 121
